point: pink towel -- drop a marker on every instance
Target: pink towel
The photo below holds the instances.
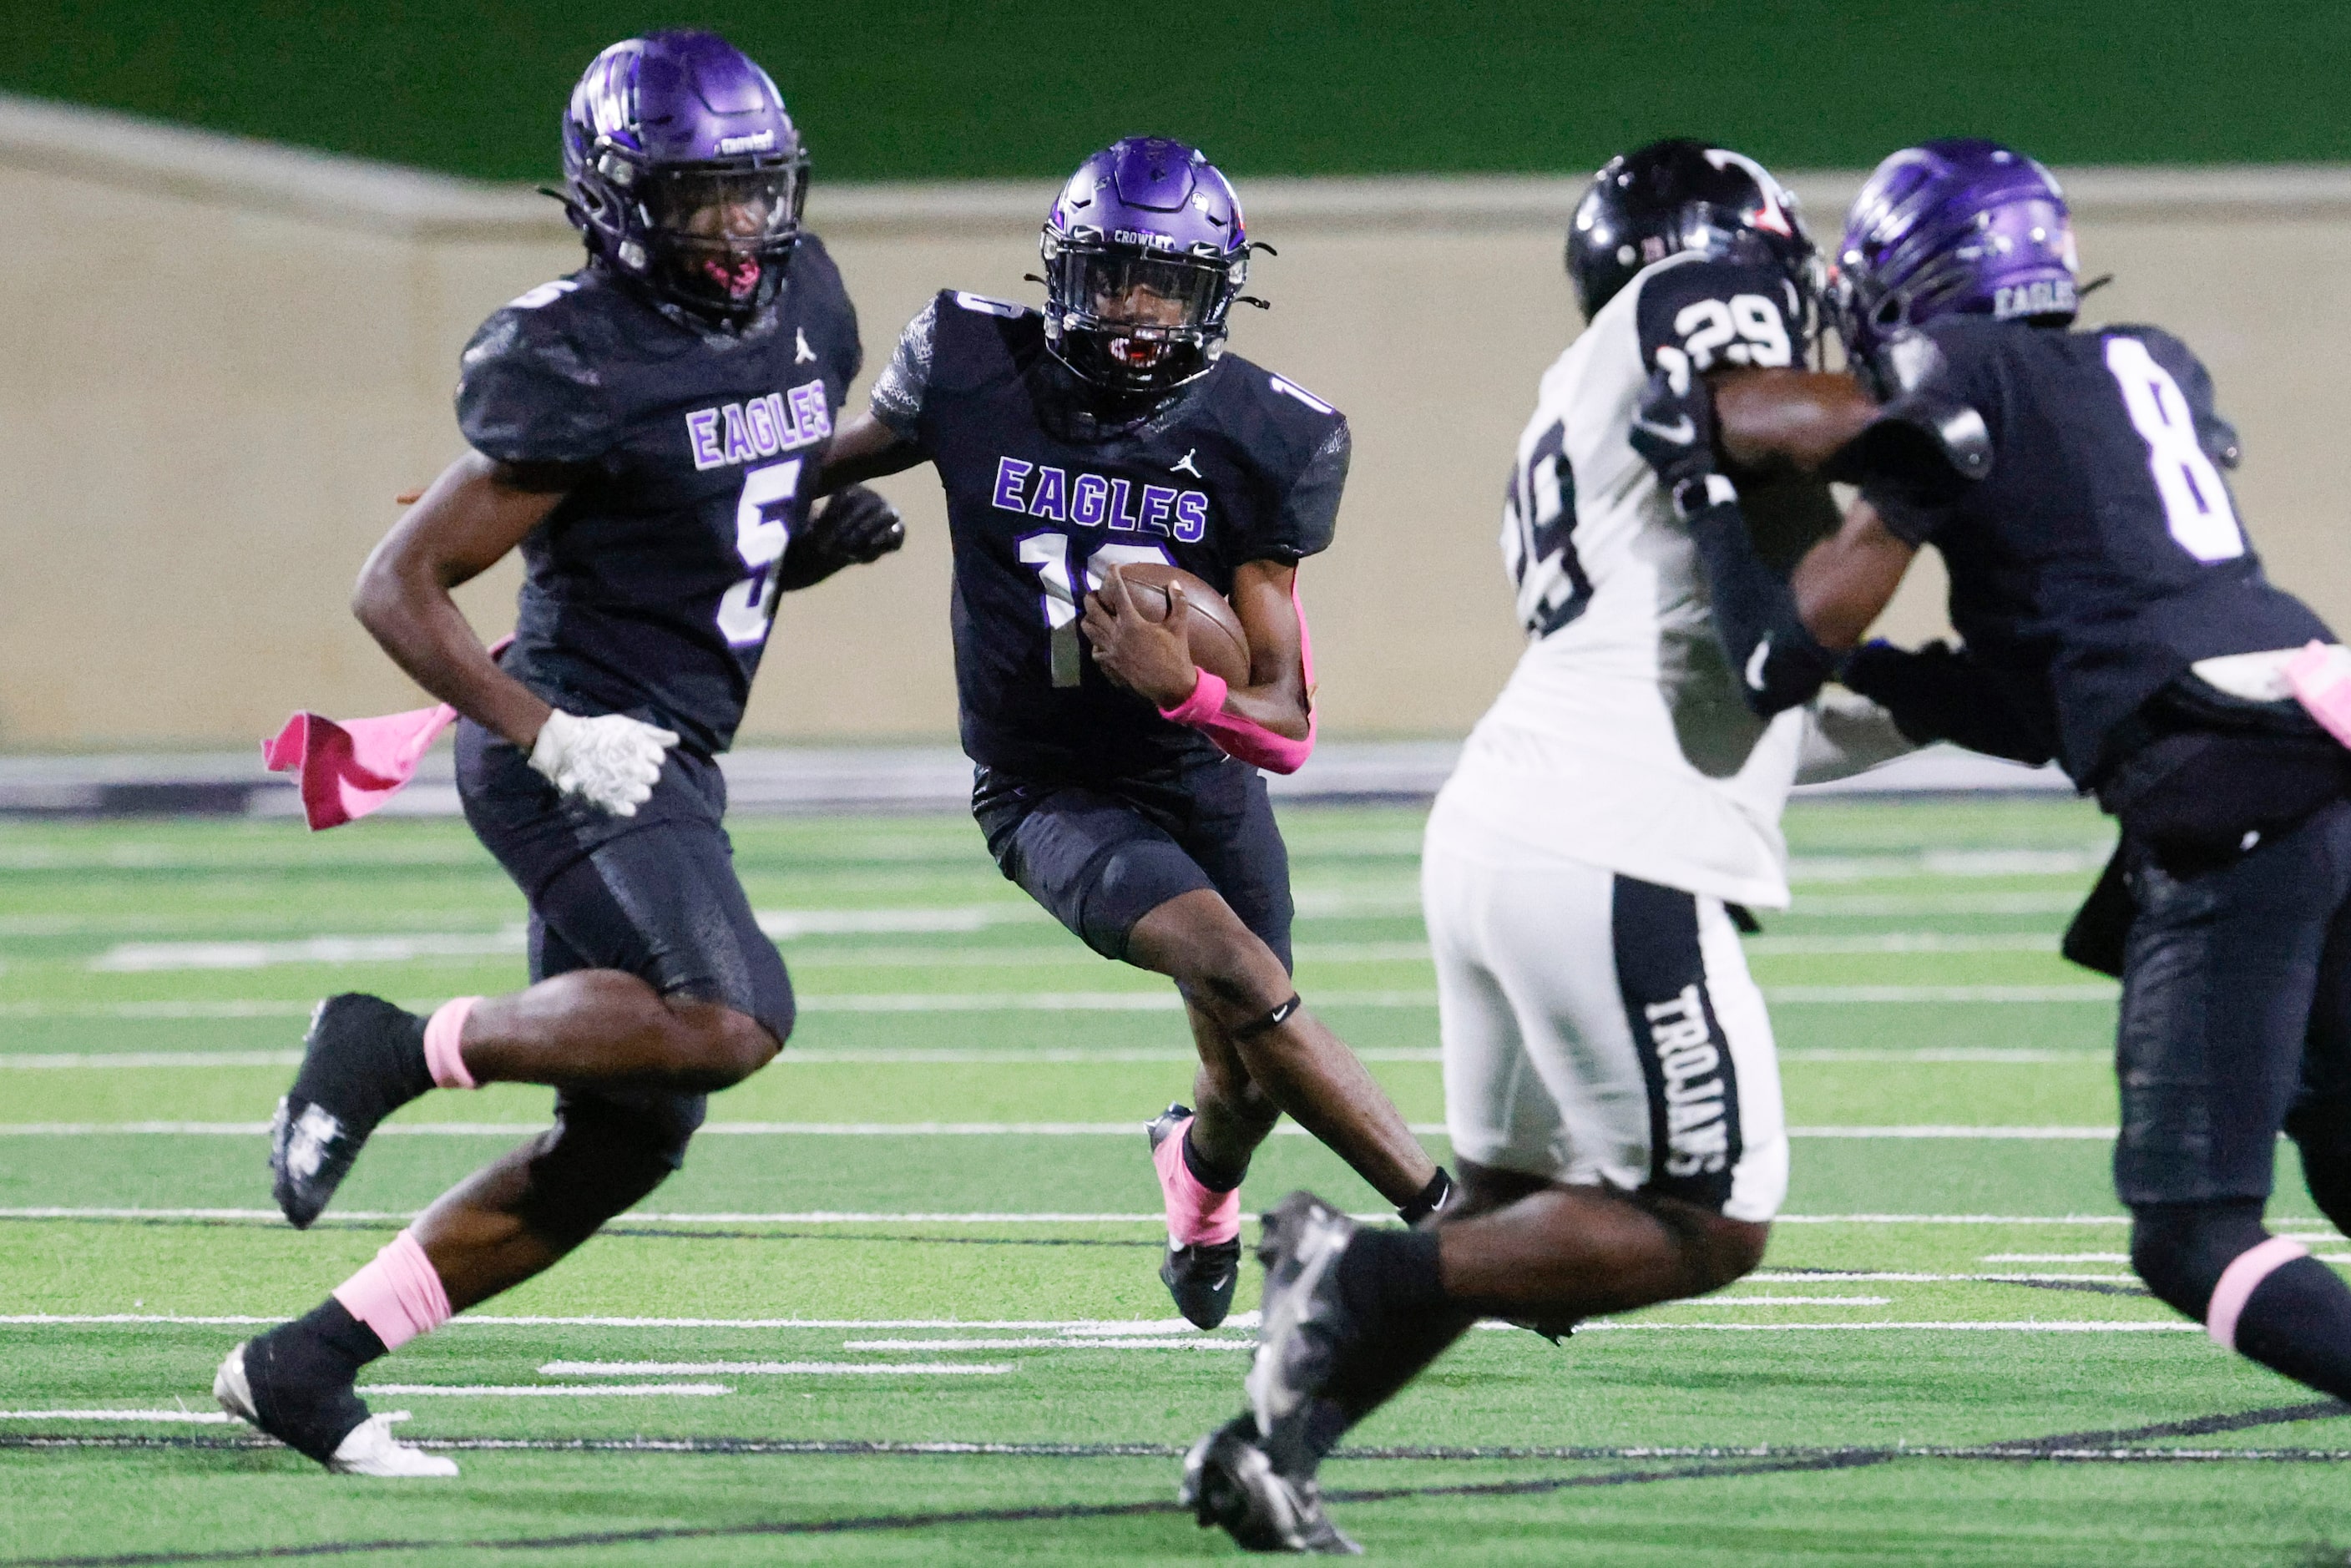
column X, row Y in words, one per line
column 348, row 770
column 2321, row 678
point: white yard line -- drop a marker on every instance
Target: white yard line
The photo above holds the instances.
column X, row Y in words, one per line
column 2029, row 1325
column 781, row 1368
column 934, row 1130
column 1108, row 1001
column 983, row 1056
column 542, row 1391
column 1039, row 1341
column 176, row 1417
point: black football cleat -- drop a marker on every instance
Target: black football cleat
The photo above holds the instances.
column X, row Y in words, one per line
column 1305, row 1327
column 329, row 1424
column 363, row 1060
column 1231, row 1482
column 1202, row 1274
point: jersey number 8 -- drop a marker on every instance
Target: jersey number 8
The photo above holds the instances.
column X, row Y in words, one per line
column 2195, row 502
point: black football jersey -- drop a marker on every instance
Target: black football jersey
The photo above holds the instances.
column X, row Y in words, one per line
column 1244, row 466
column 2102, row 556
column 651, row 586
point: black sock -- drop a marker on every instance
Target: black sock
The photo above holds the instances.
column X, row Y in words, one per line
column 1430, row 1198
column 1215, row 1177
column 1391, row 1282
column 301, row 1373
column 377, row 1063
column 2298, row 1322
column 1387, row 1277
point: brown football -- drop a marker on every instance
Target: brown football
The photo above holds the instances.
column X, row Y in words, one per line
column 1219, row 645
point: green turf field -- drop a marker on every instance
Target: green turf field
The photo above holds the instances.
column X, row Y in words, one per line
column 900, row 1305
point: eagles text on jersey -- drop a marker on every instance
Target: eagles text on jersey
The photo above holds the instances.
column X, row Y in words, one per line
column 651, row 587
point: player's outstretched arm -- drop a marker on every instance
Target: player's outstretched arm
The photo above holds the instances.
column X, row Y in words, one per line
column 865, row 448
column 466, row 522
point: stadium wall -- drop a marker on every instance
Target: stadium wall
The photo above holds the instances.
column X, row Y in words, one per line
column 228, row 356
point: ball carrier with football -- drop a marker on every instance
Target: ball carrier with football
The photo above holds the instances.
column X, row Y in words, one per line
column 1113, row 478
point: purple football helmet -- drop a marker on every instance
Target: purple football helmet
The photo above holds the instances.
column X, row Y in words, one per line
column 685, row 172
column 1144, row 254
column 1960, row 226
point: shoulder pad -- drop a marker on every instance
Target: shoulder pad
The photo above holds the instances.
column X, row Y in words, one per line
column 544, row 294
column 982, row 305
column 1907, row 361
column 1289, row 388
column 1958, row 430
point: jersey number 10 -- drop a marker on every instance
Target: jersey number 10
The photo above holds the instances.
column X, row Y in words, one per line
column 1049, row 552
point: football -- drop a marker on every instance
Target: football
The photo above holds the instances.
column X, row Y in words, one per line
column 1219, row 645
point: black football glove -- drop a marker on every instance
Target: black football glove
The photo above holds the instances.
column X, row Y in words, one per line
column 1673, row 430
column 857, row 524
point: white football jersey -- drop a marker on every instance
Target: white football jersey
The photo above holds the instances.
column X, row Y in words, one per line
column 1621, row 740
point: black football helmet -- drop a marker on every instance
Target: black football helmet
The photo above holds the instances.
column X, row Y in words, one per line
column 1676, row 195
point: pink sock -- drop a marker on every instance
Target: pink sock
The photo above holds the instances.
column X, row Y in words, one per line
column 1195, row 1214
column 399, row 1295
column 442, row 1032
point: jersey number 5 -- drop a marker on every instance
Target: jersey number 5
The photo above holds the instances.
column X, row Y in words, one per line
column 1049, row 554
column 2195, row 502
column 763, row 526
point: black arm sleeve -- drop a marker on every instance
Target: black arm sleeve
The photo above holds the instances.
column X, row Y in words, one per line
column 1779, row 662
column 1939, row 693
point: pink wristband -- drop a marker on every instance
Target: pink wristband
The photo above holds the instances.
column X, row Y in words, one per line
column 1206, row 701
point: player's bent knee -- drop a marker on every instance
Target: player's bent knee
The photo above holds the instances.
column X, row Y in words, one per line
column 719, row 1046
column 598, row 1160
column 1734, row 1250
column 2181, row 1250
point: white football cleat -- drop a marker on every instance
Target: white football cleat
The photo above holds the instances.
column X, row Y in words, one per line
column 373, row 1451
column 366, row 1449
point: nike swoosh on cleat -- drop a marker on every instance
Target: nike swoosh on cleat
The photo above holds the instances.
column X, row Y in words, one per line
column 1755, row 662
column 1680, row 435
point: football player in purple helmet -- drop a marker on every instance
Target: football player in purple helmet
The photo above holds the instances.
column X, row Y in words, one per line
column 648, row 432
column 2114, row 618
column 702, row 204
column 1117, row 783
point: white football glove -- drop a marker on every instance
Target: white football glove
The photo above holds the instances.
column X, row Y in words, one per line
column 611, row 761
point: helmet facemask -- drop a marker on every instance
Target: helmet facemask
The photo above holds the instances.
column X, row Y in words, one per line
column 719, row 236
column 1131, row 320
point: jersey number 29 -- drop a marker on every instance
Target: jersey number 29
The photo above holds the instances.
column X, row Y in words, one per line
column 763, row 526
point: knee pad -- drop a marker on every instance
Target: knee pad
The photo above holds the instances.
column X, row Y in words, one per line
column 2181, row 1250
column 601, row 1157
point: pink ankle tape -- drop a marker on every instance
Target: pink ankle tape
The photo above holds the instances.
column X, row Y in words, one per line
column 442, row 1032
column 1195, row 1214
column 399, row 1295
column 2240, row 1279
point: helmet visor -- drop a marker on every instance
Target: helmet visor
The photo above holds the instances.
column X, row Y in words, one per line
column 721, row 230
